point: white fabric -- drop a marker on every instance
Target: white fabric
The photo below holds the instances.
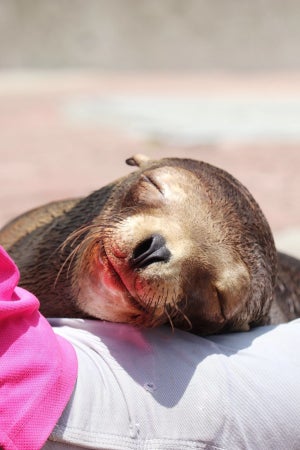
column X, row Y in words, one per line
column 157, row 389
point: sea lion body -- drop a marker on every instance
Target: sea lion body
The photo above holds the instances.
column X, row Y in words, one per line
column 176, row 241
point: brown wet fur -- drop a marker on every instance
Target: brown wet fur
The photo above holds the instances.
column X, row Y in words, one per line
column 223, row 274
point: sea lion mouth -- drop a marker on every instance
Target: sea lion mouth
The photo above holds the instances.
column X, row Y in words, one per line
column 116, row 278
column 146, row 252
column 128, row 276
column 117, row 282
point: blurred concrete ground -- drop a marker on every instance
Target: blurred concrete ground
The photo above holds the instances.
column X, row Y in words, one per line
column 66, row 133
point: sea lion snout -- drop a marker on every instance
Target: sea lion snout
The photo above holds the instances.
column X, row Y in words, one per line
column 151, row 250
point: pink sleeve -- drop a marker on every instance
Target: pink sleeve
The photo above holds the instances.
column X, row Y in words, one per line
column 37, row 368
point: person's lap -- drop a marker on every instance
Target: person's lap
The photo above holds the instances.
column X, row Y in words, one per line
column 158, row 389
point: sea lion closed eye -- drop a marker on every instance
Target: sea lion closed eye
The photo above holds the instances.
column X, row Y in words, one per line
column 176, row 241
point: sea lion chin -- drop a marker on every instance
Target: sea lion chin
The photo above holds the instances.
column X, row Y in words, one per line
column 176, row 241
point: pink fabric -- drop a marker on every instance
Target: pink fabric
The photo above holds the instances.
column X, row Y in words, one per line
column 38, row 369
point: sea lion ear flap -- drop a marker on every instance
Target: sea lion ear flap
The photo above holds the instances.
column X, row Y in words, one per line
column 137, row 160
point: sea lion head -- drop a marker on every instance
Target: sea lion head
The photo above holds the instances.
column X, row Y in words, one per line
column 178, row 240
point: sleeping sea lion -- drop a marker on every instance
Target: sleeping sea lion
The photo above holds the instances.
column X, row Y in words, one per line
column 177, row 241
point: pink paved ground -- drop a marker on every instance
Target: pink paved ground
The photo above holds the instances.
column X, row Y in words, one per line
column 44, row 156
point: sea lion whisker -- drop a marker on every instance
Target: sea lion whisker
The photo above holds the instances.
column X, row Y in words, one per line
column 150, row 306
column 73, row 238
column 74, row 252
column 167, row 306
column 185, row 317
column 153, row 308
column 69, row 259
column 179, row 312
column 77, row 233
column 169, row 318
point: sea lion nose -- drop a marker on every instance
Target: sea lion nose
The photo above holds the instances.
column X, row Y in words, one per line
column 151, row 250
